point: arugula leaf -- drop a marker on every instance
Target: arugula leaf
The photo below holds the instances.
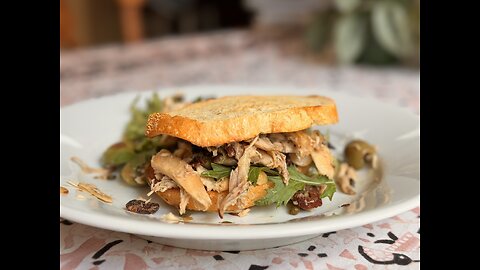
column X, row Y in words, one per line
column 280, row 193
column 254, row 172
column 135, row 129
column 218, row 171
column 329, row 191
column 314, row 180
column 270, row 171
column 135, row 146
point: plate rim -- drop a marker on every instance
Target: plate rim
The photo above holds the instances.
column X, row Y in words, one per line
column 241, row 231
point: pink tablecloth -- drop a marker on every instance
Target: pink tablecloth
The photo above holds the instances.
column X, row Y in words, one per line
column 234, row 58
column 387, row 244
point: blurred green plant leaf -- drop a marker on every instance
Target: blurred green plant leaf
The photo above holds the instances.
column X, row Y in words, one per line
column 349, row 37
column 390, row 24
column 374, row 54
column 346, row 6
column 317, row 33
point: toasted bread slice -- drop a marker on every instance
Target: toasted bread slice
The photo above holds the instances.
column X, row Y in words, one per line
column 254, row 193
column 237, row 118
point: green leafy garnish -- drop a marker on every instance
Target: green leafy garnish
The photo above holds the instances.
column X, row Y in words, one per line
column 135, row 148
column 218, row 171
column 329, row 191
column 281, row 193
column 135, row 129
column 254, row 172
column 300, row 177
column 314, row 181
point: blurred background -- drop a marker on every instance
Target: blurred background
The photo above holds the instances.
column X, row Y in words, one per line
column 110, row 46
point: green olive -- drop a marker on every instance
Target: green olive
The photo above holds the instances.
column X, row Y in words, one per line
column 117, row 154
column 129, row 173
column 293, row 209
column 358, row 153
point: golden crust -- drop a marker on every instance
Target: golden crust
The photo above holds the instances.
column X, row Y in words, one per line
column 237, row 118
column 254, row 193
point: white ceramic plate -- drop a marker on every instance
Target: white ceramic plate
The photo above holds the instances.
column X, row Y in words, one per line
column 89, row 127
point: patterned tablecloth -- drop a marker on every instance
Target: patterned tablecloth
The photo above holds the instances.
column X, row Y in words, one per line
column 234, row 57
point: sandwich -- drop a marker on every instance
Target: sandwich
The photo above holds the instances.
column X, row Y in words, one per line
column 230, row 154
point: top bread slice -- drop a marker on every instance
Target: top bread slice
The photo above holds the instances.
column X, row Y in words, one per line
column 236, row 118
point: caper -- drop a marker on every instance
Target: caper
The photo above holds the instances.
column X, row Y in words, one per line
column 130, row 175
column 293, row 209
column 358, row 152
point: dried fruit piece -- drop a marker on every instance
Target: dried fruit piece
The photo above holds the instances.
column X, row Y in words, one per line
column 308, row 198
column 142, row 207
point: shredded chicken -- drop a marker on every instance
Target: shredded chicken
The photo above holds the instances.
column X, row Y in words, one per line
column 281, row 139
column 264, row 143
column 312, row 147
column 240, row 174
column 164, row 184
column 184, row 198
column 299, row 160
column 183, row 168
column 233, row 180
column 244, row 212
column 323, row 161
column 273, row 160
column 263, row 158
column 303, row 142
column 184, row 151
column 219, row 185
column 238, row 149
column 277, row 137
column 318, row 139
column 306, row 142
column 238, row 182
column 345, row 177
column 234, row 197
column 183, row 174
